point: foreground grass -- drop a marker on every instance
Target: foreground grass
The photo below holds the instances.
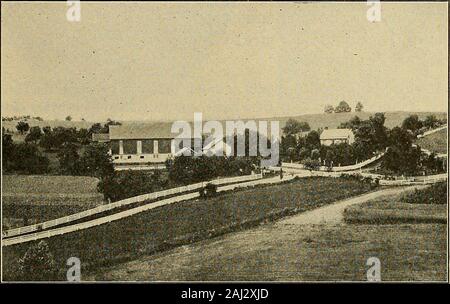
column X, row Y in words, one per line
column 40, row 198
column 298, row 253
column 177, row 224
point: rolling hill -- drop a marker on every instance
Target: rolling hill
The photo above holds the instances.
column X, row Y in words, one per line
column 316, row 121
column 436, row 142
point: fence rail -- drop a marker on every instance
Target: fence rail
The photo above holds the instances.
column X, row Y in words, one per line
column 337, row 169
column 125, row 202
column 123, row 214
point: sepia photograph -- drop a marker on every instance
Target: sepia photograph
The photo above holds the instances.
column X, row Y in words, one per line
column 224, row 142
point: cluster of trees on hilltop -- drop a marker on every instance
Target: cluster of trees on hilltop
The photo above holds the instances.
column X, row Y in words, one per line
column 343, row 107
column 22, row 117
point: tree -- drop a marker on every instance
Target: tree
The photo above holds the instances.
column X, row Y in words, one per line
column 293, row 127
column 288, row 147
column 38, row 264
column 83, row 136
column 96, row 128
column 69, row 159
column 311, row 164
column 353, row 124
column 343, row 107
column 28, row 159
column 8, row 147
column 47, row 130
column 96, row 161
column 328, row 109
column 68, row 118
column 379, row 131
column 312, row 140
column 34, row 135
column 401, row 157
column 412, row 123
column 431, row 122
column 54, row 139
column 129, row 183
column 359, row 107
column 22, row 127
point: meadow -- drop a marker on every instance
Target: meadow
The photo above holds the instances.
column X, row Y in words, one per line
column 186, row 222
column 43, row 197
column 436, row 142
column 425, row 205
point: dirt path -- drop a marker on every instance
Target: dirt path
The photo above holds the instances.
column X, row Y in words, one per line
column 333, row 214
column 268, row 252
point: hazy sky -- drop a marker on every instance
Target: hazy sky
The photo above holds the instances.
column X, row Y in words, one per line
column 228, row 60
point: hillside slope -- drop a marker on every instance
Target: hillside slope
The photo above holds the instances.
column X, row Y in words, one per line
column 436, row 142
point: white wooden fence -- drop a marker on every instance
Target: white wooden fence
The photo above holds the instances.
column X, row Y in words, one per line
column 123, row 214
column 432, row 131
column 336, row 169
column 125, row 202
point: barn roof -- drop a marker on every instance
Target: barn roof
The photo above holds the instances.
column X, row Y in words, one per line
column 141, row 131
column 149, row 130
column 336, row 133
column 100, row 137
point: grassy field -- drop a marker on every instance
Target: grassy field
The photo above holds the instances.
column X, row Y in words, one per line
column 291, row 251
column 277, row 252
column 40, row 198
column 436, row 142
column 425, row 205
column 389, row 212
column 182, row 223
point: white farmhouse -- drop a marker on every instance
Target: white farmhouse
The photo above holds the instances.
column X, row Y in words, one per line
column 329, row 137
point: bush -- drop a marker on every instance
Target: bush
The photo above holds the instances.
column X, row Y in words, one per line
column 38, row 264
column 435, row 194
column 28, row 159
column 125, row 184
column 311, row 164
column 210, row 190
column 186, row 170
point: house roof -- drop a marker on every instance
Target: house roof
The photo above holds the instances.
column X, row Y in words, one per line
column 336, row 133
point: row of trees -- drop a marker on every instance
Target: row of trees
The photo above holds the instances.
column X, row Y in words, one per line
column 343, row 107
column 417, row 126
column 23, row 157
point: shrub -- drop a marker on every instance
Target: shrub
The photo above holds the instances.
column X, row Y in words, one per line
column 311, row 164
column 125, row 184
column 28, row 159
column 38, row 264
column 210, row 190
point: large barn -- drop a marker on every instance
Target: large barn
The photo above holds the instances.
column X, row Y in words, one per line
column 146, row 146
